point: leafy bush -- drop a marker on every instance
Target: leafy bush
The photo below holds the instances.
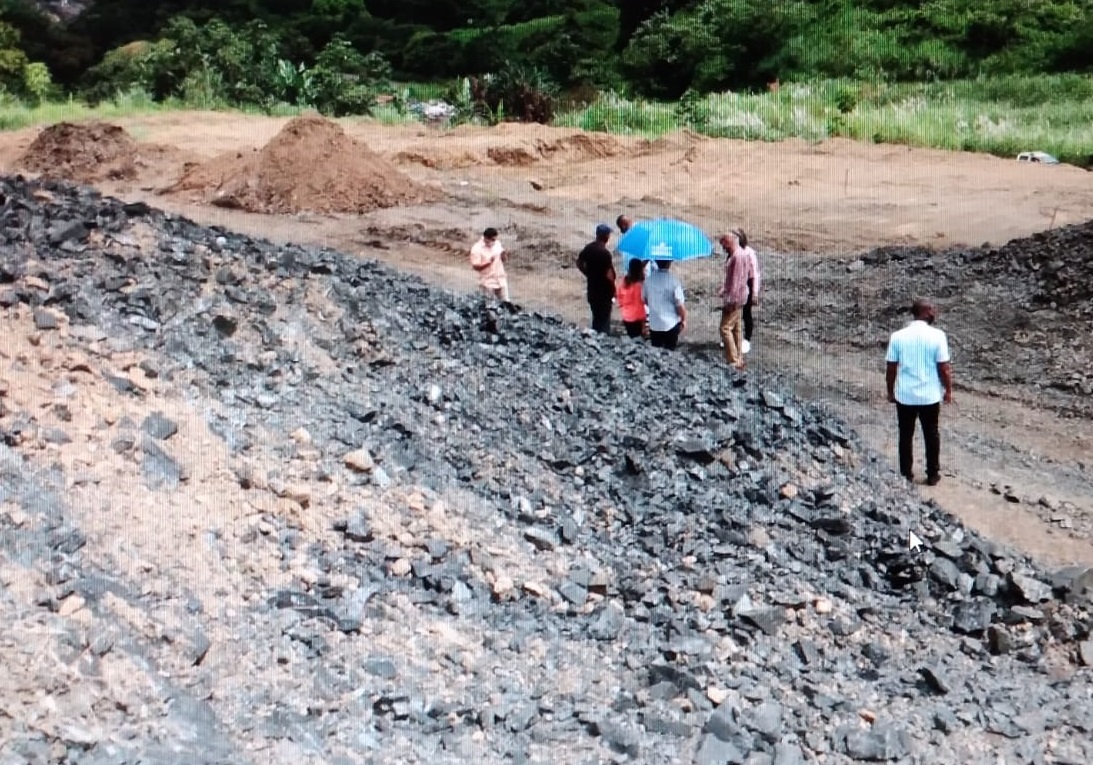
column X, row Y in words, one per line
column 523, row 94
column 37, row 83
column 346, row 82
column 214, row 65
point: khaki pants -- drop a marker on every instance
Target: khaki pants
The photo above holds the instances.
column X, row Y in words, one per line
column 732, row 335
column 501, row 293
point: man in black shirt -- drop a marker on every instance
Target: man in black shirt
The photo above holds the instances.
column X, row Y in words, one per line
column 595, row 263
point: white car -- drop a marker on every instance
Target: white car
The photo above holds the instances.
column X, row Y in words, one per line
column 1041, row 157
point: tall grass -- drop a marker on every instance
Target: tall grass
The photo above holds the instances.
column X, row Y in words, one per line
column 1000, row 116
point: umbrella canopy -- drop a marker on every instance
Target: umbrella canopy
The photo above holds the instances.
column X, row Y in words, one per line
column 664, row 239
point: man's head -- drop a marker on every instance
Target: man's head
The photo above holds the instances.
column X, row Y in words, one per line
column 624, row 223
column 728, row 241
column 664, row 265
column 603, row 232
column 923, row 310
column 490, row 235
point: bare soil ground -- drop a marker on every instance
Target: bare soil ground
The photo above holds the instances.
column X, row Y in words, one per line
column 546, row 188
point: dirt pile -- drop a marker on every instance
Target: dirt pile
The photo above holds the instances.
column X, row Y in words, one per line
column 527, row 150
column 311, row 165
column 85, row 152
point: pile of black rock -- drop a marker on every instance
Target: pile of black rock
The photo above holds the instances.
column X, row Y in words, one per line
column 730, row 576
column 1017, row 315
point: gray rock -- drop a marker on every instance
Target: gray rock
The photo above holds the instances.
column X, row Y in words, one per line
column 159, row 426
column 45, row 320
column 716, row 751
column 1032, row 590
column 881, row 743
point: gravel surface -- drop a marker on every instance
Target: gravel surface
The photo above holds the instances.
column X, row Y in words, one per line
column 396, row 524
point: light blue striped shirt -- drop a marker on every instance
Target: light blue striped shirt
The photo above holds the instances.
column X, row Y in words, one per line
column 918, row 348
column 662, row 292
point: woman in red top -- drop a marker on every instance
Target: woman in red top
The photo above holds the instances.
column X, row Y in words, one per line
column 628, row 296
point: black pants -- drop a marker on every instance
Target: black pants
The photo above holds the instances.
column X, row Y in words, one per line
column 749, row 320
column 601, row 314
column 634, row 328
column 928, row 416
column 669, row 339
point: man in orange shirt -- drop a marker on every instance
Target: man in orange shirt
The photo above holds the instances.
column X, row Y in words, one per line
column 488, row 259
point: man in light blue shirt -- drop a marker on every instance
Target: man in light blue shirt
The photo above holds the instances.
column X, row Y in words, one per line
column 663, row 294
column 919, row 376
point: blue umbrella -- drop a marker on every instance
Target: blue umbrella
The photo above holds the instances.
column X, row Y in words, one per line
column 664, row 239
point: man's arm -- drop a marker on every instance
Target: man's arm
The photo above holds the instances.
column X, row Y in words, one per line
column 945, row 372
column 890, row 379
column 582, row 261
column 481, row 258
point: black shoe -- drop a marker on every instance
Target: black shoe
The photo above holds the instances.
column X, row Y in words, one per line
column 908, row 477
column 933, row 480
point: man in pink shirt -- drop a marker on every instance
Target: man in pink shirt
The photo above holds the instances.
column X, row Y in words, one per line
column 734, row 296
column 753, row 286
column 488, row 259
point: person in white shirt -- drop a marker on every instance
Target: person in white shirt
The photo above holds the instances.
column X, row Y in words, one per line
column 488, row 259
column 662, row 293
column 919, row 377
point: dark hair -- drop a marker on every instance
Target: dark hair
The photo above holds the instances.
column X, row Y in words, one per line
column 741, row 236
column 619, row 220
column 664, row 265
column 635, row 272
column 490, row 233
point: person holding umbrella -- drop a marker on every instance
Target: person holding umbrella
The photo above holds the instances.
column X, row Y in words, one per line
column 664, row 241
column 594, row 261
column 663, row 294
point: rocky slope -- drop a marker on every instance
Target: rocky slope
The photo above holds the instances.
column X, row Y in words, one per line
column 1018, row 315
column 270, row 504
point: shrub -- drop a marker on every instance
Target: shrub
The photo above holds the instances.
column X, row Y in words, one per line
column 346, row 82
column 520, row 93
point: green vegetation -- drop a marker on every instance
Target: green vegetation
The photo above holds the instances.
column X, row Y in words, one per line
column 983, row 75
column 1000, row 116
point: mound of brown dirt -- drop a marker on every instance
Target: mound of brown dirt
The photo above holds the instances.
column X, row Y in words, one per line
column 310, row 165
column 572, row 148
column 84, row 152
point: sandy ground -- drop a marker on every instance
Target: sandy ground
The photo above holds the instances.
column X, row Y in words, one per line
column 545, row 189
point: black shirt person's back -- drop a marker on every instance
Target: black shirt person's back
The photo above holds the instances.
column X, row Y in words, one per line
column 595, row 263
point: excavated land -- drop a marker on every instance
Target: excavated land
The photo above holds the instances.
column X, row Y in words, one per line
column 266, row 501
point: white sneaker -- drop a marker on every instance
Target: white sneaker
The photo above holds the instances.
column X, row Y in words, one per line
column 745, row 346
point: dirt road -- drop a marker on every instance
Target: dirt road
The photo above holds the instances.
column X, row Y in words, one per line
column 1013, row 469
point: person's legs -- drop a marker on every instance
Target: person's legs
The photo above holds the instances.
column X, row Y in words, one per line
column 634, row 328
column 928, row 417
column 738, row 337
column 728, row 329
column 672, row 337
column 658, row 339
column 749, row 320
column 503, row 291
column 601, row 315
column 906, row 416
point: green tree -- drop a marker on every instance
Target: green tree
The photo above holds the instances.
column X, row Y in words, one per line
column 347, row 82
column 13, row 61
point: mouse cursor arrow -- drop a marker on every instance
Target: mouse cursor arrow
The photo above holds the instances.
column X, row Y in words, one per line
column 913, row 541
